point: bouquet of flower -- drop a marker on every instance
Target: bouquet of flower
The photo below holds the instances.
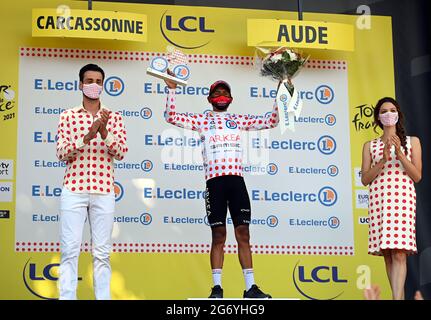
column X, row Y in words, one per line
column 283, row 64
column 280, row 64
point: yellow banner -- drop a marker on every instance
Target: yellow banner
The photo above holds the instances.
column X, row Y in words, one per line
column 111, row 25
column 300, row 34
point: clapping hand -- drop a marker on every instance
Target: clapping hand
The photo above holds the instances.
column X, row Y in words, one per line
column 395, row 140
column 104, row 117
column 92, row 132
column 387, row 151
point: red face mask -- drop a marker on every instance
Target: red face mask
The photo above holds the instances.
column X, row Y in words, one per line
column 221, row 102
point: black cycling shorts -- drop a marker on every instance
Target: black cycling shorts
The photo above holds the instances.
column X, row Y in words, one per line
column 227, row 192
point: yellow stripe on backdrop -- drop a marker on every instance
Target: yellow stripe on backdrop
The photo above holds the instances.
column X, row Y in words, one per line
column 180, row 276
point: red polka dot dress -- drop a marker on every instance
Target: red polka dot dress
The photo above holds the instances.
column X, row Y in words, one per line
column 392, row 204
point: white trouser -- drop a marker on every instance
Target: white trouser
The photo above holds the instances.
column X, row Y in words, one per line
column 74, row 208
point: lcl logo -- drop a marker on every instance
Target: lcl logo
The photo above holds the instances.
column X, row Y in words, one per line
column 45, row 275
column 319, row 278
column 188, row 24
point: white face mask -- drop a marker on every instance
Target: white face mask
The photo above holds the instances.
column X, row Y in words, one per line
column 388, row 119
column 92, row 90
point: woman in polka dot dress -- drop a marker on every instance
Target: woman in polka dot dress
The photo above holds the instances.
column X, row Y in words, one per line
column 391, row 164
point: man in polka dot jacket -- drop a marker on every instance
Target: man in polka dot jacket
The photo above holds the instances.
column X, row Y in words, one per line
column 90, row 137
column 222, row 158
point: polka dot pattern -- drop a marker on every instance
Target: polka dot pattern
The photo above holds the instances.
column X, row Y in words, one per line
column 220, row 135
column 90, row 167
column 392, row 205
column 122, row 247
column 123, row 55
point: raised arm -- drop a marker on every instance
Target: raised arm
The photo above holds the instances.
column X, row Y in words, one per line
column 255, row 123
column 190, row 121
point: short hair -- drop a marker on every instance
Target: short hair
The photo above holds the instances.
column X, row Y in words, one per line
column 90, row 67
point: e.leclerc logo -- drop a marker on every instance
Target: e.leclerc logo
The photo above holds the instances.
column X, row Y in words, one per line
column 324, row 94
column 145, row 219
column 326, row 145
column 333, row 222
column 147, row 165
column 272, row 221
column 332, row 170
column 272, row 169
column 119, row 191
column 181, row 71
column 114, row 86
column 146, row 113
column 327, row 196
column 330, row 120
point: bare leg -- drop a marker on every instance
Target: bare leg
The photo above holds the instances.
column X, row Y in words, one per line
column 388, row 264
column 217, row 246
column 398, row 273
column 242, row 236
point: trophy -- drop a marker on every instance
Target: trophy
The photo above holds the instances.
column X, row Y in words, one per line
column 175, row 61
